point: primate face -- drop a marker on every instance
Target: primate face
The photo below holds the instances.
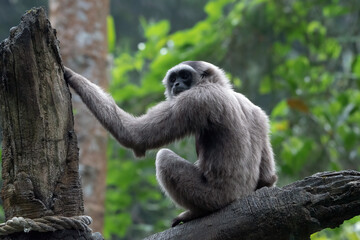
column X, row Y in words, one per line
column 180, row 81
column 189, row 74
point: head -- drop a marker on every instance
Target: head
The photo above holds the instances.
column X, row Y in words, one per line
column 188, row 74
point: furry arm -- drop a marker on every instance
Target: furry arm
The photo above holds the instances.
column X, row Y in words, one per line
column 162, row 124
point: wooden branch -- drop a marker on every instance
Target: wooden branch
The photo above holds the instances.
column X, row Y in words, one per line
column 292, row 212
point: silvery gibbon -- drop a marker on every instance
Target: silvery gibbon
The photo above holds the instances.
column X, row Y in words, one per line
column 235, row 156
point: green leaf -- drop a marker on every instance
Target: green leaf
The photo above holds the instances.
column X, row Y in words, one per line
column 356, row 66
column 214, row 8
column 332, row 48
column 281, row 49
column 157, row 30
column 295, row 152
column 319, row 236
column 111, row 35
column 277, row 126
column 345, row 114
column 280, row 110
column 265, row 85
column 316, row 26
column 334, row 10
column 117, row 224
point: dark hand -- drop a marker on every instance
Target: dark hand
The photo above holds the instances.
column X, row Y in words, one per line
column 68, row 73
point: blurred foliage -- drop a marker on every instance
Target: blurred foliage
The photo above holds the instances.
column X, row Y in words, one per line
column 348, row 231
column 299, row 60
column 181, row 13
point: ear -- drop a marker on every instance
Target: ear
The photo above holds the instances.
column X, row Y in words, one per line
column 207, row 73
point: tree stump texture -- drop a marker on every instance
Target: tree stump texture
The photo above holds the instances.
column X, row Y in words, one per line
column 40, row 154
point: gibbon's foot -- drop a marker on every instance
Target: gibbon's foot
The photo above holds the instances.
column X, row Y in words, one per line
column 176, row 221
column 186, row 216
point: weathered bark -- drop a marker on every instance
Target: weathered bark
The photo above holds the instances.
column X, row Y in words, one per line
column 40, row 154
column 82, row 31
column 292, row 212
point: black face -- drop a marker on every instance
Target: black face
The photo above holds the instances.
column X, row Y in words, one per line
column 180, row 81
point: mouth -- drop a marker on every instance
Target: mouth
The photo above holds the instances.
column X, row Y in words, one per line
column 176, row 91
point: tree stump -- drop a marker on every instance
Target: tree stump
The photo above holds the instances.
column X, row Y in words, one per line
column 40, row 154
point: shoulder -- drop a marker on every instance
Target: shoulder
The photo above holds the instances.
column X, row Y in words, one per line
column 207, row 102
column 250, row 109
column 203, row 94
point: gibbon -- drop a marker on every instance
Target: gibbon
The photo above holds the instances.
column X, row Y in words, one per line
column 235, row 156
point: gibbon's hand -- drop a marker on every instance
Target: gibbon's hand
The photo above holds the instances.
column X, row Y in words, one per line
column 68, row 73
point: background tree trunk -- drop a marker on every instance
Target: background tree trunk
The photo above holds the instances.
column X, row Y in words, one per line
column 292, row 212
column 40, row 154
column 82, row 31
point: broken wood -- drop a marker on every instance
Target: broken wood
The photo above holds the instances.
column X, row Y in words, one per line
column 40, row 158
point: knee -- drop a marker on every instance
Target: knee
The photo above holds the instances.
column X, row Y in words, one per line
column 162, row 156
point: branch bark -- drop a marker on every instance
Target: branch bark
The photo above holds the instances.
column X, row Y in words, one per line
column 293, row 212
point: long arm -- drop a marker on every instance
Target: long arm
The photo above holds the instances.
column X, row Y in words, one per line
column 102, row 106
column 164, row 123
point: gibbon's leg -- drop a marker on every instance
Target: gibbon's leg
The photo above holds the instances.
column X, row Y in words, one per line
column 267, row 177
column 184, row 183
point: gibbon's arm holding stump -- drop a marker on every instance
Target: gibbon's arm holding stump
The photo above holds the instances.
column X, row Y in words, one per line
column 162, row 124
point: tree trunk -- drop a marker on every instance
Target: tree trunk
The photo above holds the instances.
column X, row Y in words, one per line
column 292, row 212
column 40, row 154
column 82, row 31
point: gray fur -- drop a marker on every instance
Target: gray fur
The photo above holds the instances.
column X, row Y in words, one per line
column 232, row 137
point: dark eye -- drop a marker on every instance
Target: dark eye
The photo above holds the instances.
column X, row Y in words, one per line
column 172, row 78
column 185, row 74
